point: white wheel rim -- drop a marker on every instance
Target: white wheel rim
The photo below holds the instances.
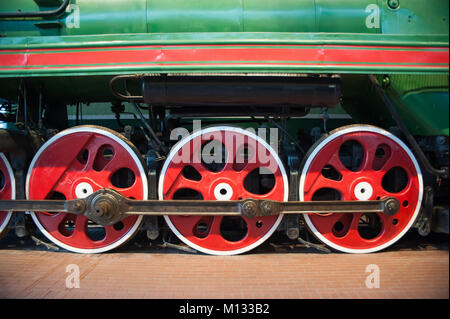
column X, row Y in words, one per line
column 13, row 190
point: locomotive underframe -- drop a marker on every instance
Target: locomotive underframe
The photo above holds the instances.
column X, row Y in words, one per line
column 20, row 143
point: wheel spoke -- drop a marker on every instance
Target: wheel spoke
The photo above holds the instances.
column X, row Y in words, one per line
column 250, row 167
column 353, row 231
column 392, row 162
column 326, row 222
column 241, row 175
column 335, row 161
column 386, row 221
column 370, row 148
column 201, row 169
column 119, row 160
column 214, row 227
column 80, row 230
column 322, row 182
column 52, row 221
column 187, row 223
column 182, row 182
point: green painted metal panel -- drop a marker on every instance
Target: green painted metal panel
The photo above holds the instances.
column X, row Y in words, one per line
column 194, row 16
column 105, row 17
column 424, row 102
column 84, row 17
column 426, row 113
column 416, row 17
column 348, row 16
column 287, row 16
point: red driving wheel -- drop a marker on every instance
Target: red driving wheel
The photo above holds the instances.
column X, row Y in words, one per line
column 361, row 162
column 74, row 164
column 7, row 191
column 223, row 163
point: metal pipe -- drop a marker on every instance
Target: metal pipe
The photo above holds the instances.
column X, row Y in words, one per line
column 287, row 134
column 77, row 119
column 40, row 124
column 36, row 14
column 231, row 91
column 146, row 124
column 120, row 96
column 25, row 110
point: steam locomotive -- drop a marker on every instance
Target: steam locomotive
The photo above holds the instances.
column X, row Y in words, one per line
column 224, row 121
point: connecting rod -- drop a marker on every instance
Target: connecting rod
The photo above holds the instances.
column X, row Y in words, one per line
column 107, row 207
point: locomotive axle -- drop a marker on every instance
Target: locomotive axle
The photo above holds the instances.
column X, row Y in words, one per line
column 107, row 207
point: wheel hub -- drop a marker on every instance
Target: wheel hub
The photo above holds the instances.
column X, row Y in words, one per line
column 363, row 190
column 83, row 189
column 223, row 191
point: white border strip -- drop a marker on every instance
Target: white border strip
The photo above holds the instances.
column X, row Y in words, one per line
column 131, row 117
